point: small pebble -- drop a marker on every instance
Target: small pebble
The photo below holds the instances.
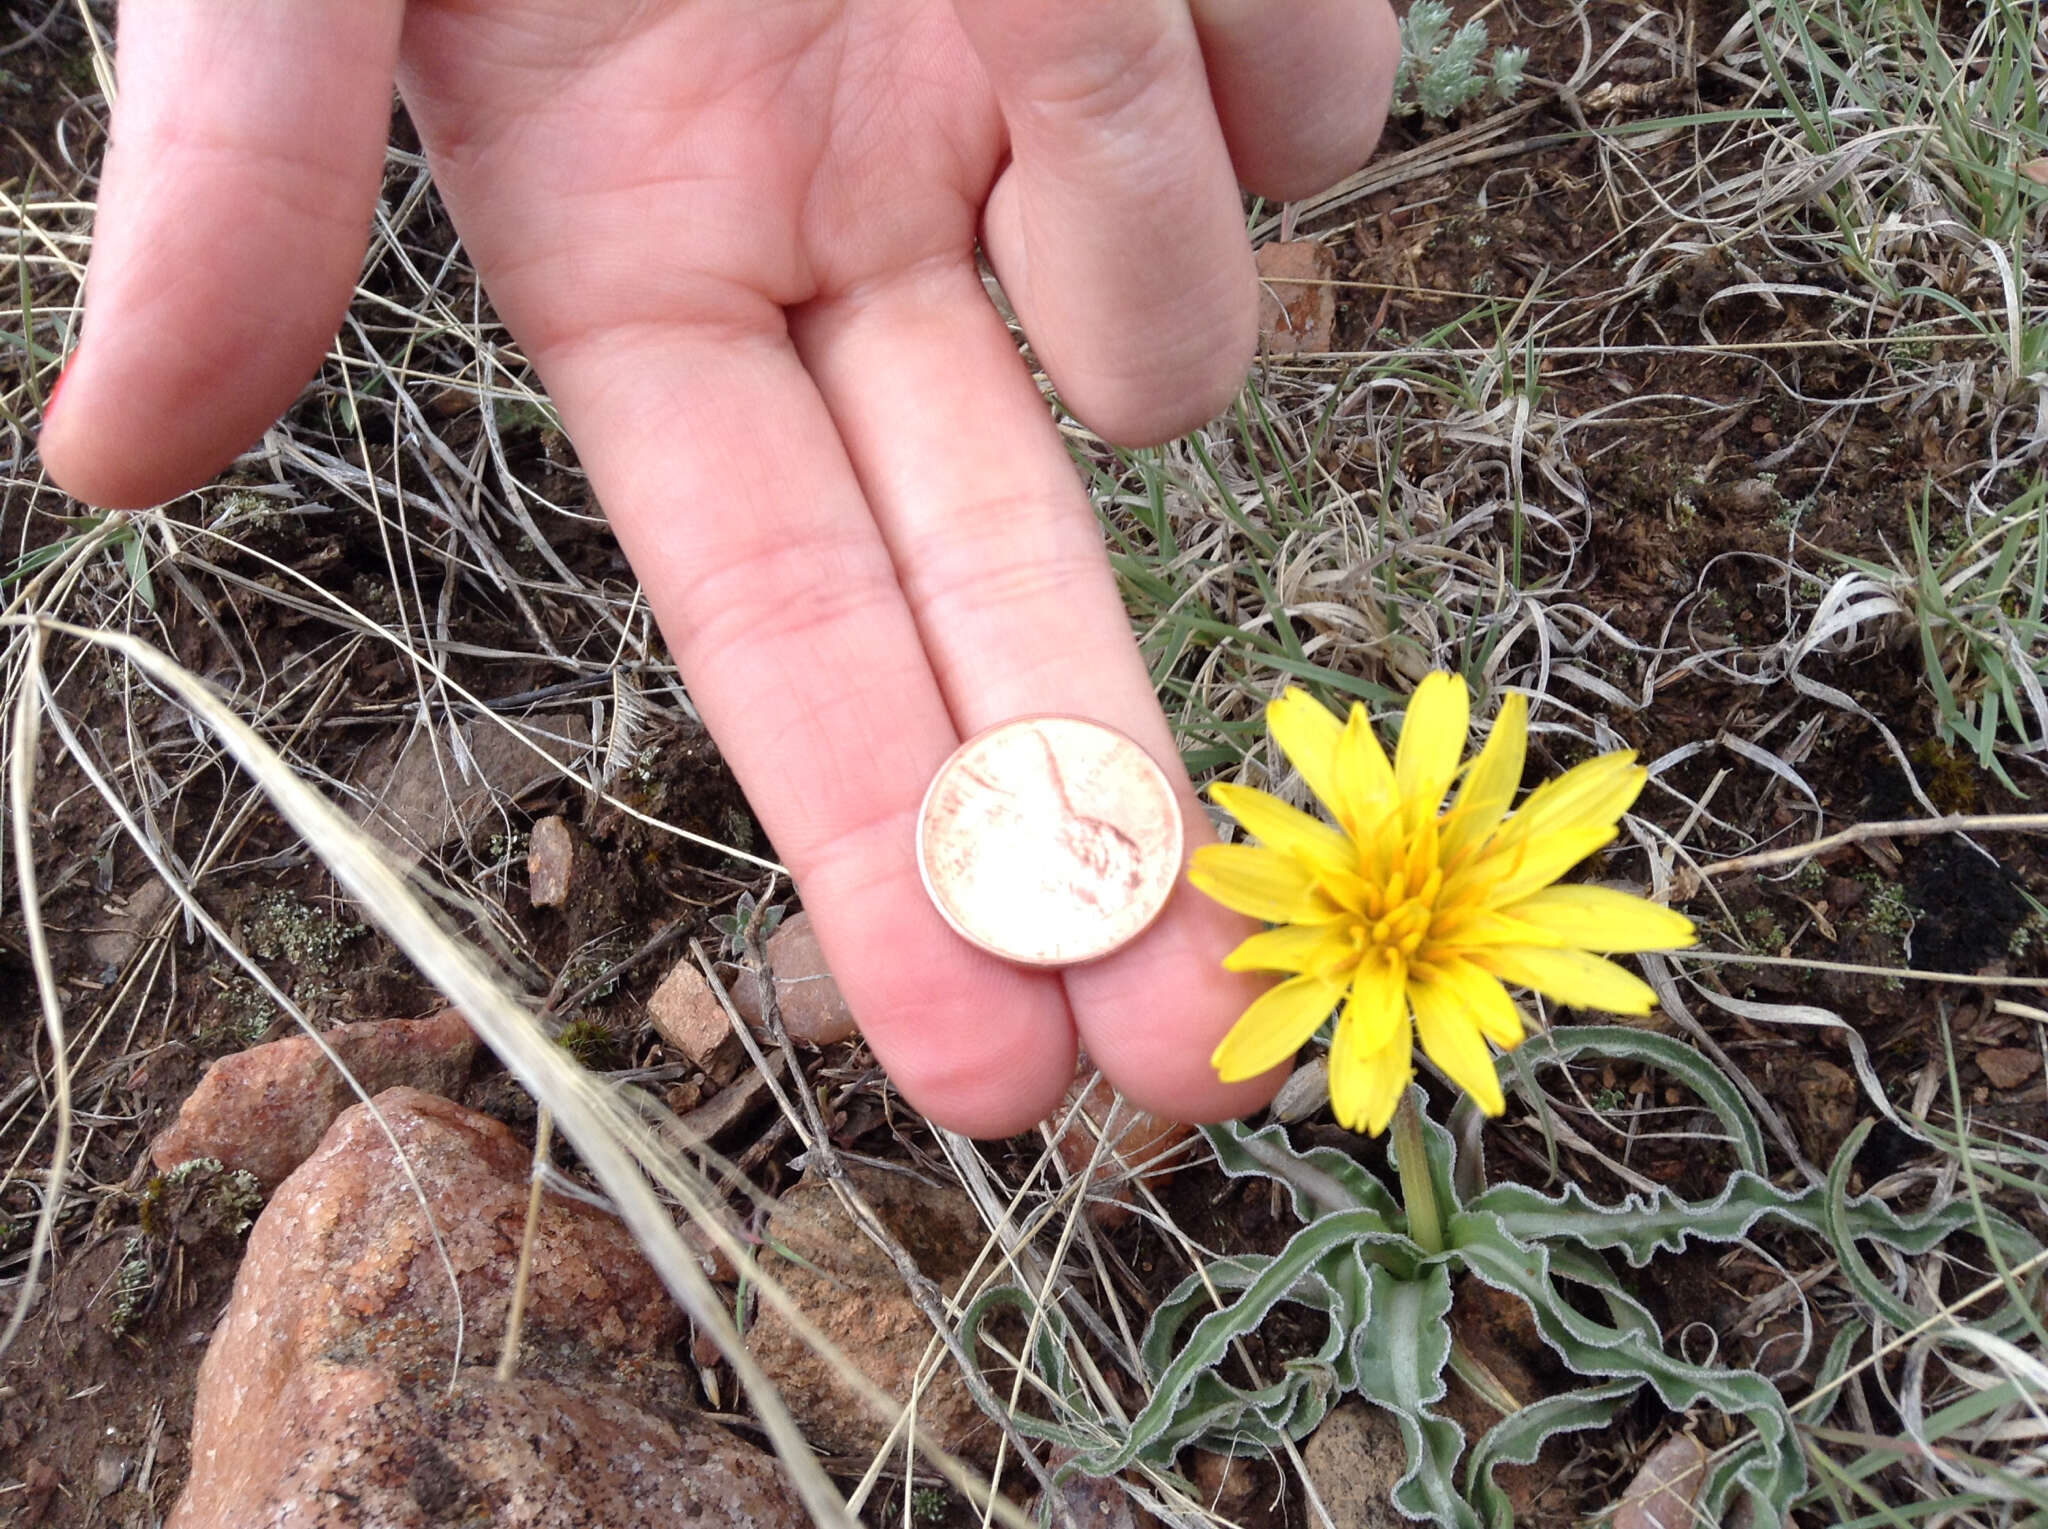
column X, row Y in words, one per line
column 1297, row 303
column 688, row 1017
column 550, row 857
column 110, row 1470
column 813, row 1010
column 2008, row 1066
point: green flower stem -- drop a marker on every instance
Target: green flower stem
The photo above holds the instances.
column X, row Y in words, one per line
column 1418, row 1194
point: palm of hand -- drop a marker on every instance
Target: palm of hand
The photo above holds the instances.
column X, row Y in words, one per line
column 716, row 161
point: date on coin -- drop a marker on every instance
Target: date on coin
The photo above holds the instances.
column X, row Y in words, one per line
column 1050, row 841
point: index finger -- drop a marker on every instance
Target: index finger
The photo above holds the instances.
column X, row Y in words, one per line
column 248, row 140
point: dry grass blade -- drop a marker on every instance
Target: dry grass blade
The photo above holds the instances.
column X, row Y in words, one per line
column 1856, row 833
column 515, row 1317
column 21, row 769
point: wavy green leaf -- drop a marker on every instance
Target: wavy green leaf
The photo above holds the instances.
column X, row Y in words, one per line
column 1669, row 1055
column 1320, row 1180
column 1401, row 1359
column 1520, row 1437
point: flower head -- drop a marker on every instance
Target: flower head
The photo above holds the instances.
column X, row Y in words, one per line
column 1404, row 907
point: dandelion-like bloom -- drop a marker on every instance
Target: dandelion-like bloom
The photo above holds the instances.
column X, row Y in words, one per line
column 1403, row 906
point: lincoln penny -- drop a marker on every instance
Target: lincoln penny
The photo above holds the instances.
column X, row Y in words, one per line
column 1050, row 840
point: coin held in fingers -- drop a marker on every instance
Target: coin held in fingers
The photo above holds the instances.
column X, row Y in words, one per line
column 1050, row 841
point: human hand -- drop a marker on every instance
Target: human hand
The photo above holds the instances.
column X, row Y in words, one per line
column 737, row 240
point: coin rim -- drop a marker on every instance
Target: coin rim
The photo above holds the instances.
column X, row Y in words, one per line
column 924, row 871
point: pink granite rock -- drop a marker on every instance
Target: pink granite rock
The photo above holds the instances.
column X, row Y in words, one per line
column 688, row 1016
column 852, row 1291
column 813, row 1011
column 265, row 1109
column 326, row 1396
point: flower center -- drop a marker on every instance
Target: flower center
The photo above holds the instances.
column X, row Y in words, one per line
column 1403, row 928
column 1396, row 912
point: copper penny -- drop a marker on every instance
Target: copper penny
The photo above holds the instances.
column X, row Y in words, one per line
column 1050, row 840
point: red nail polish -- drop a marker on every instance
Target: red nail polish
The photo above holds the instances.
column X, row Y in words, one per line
column 50, row 403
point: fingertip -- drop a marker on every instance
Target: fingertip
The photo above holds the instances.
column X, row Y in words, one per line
column 1153, row 362
column 56, row 392
column 135, row 432
column 148, row 416
column 1302, row 102
column 229, row 232
column 1201, row 1101
column 1185, row 384
column 1152, row 1016
column 1117, row 228
column 989, row 1093
column 64, row 443
column 974, row 1045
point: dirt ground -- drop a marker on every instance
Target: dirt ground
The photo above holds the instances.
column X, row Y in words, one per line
column 1702, row 481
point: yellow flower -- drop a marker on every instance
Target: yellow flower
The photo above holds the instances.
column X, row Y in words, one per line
column 1403, row 907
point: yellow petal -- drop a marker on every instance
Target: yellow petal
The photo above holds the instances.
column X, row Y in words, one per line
column 1307, row 734
column 1277, row 1024
column 1432, row 743
column 1295, row 948
column 1366, row 1085
column 1379, row 997
column 1599, row 918
column 1505, row 877
column 1452, row 1039
column 1569, row 976
column 1381, row 845
column 1480, row 995
column 1420, row 860
column 1496, row 775
column 1261, row 882
column 1365, row 780
column 1483, row 926
column 1590, row 795
column 1287, row 829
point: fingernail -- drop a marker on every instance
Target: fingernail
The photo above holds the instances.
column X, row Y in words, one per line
column 56, row 388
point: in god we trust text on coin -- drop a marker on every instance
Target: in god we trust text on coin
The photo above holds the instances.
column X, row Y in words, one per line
column 1050, row 841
